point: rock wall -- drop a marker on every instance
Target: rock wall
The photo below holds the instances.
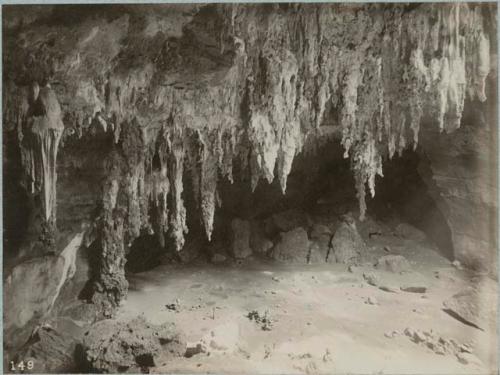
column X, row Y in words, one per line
column 205, row 90
column 464, row 177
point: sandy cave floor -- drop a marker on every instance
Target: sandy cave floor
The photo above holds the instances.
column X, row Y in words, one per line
column 322, row 320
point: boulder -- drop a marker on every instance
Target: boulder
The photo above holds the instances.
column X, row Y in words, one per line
column 259, row 243
column 409, row 232
column 474, row 306
column 114, row 346
column 31, row 289
column 347, row 245
column 293, row 246
column 393, row 263
column 240, row 241
column 50, row 350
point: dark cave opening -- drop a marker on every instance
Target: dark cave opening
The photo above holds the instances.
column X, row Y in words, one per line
column 321, row 187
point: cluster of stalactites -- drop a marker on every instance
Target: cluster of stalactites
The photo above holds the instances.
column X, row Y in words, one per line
column 421, row 63
column 407, row 61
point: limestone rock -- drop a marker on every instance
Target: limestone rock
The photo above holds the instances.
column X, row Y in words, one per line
column 347, row 244
column 293, row 246
column 31, row 289
column 474, row 306
column 51, row 351
column 393, row 263
column 117, row 346
column 240, row 246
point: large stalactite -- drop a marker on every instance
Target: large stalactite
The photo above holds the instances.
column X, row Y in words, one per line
column 250, row 83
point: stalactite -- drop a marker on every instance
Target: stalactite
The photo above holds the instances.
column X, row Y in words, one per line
column 47, row 128
column 208, row 185
column 177, row 220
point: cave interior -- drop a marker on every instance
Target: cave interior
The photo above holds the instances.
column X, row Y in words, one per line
column 263, row 188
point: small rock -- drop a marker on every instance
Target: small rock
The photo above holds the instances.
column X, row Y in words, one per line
column 371, row 279
column 194, row 348
column 414, row 289
column 327, row 357
column 388, row 288
column 391, row 334
column 468, row 359
column 465, row 348
column 372, row 301
column 457, row 264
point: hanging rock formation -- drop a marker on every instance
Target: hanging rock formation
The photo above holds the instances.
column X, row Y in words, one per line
column 195, row 90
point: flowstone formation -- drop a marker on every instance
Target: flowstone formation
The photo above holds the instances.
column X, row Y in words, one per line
column 38, row 118
column 189, row 92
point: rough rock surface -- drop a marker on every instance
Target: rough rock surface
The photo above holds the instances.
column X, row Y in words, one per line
column 347, row 245
column 240, row 239
column 114, row 346
column 293, row 247
column 473, row 306
column 31, row 289
column 50, row 350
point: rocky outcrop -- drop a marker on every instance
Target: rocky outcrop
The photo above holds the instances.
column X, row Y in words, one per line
column 132, row 346
column 229, row 88
column 33, row 286
column 49, row 351
column 347, row 246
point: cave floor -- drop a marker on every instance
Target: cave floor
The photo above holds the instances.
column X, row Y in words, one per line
column 321, row 316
